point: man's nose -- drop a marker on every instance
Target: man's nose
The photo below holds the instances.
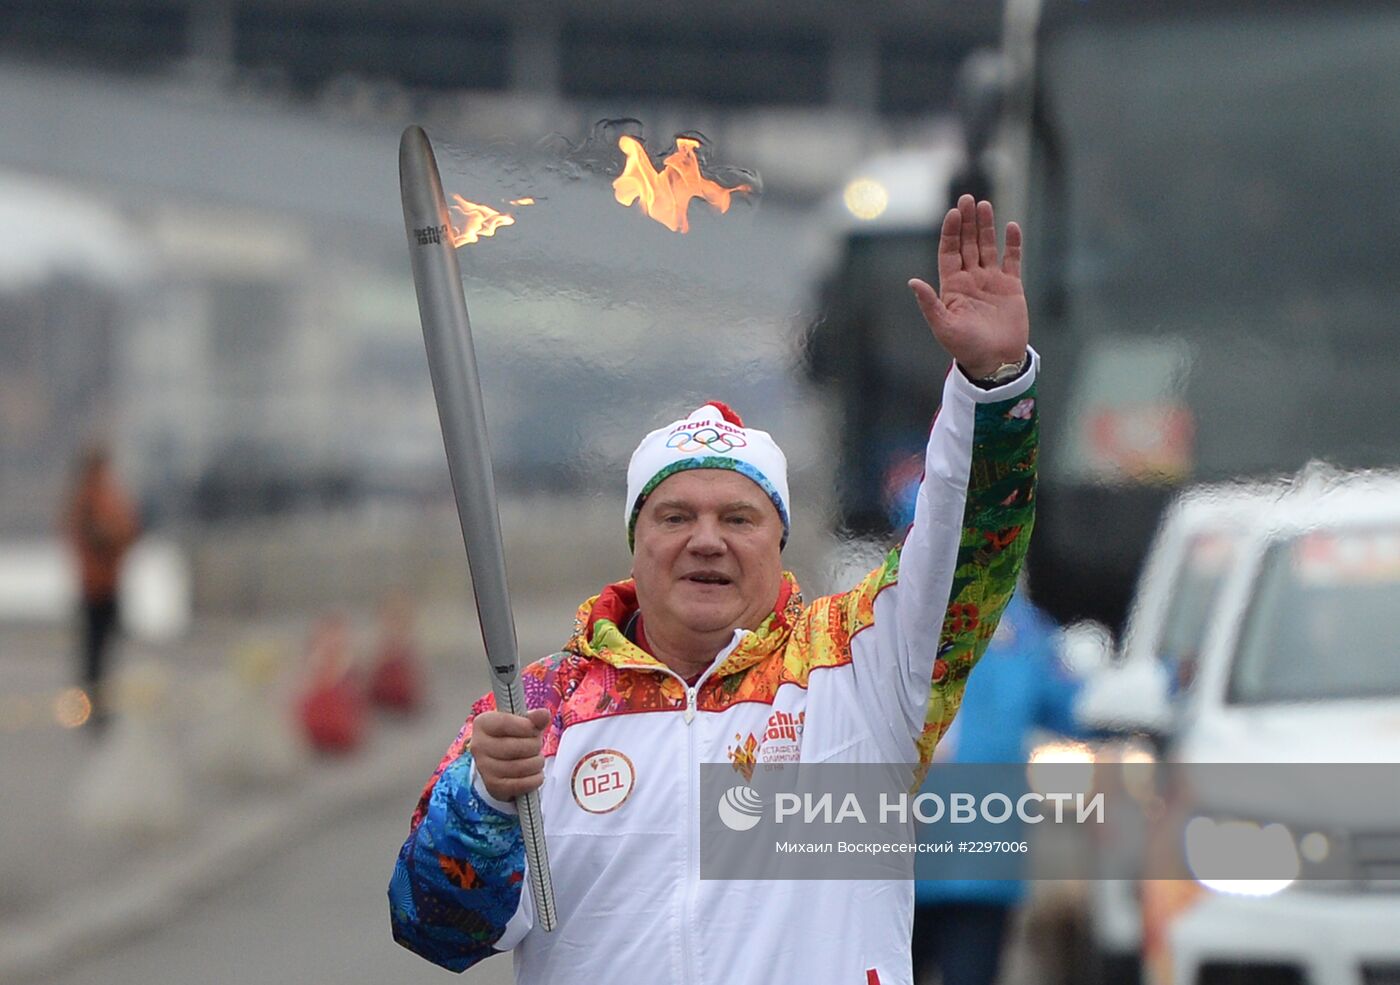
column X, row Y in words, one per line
column 706, row 537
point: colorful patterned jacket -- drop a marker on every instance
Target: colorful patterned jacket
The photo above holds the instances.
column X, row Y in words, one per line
column 873, row 675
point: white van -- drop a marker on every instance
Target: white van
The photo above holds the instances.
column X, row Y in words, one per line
column 1191, row 555
column 1300, row 664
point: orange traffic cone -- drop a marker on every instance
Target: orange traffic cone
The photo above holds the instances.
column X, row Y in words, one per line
column 332, row 710
column 396, row 682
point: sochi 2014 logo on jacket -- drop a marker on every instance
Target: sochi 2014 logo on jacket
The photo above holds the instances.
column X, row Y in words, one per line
column 781, row 742
column 782, row 738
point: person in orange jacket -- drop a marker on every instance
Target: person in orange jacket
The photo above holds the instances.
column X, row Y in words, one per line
column 100, row 524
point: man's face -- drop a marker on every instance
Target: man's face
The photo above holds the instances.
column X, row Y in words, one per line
column 708, row 555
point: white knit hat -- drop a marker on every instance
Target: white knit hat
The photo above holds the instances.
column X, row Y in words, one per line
column 712, row 437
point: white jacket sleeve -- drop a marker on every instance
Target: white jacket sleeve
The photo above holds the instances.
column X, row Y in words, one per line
column 935, row 602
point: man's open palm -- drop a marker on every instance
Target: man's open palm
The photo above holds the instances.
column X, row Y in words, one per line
column 981, row 318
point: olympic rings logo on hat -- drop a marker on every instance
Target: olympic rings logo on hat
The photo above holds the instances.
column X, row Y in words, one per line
column 705, row 438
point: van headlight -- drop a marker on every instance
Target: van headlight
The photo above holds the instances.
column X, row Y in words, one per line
column 1224, row 856
column 1061, row 766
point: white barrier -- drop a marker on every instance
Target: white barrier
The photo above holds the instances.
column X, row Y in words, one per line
column 39, row 583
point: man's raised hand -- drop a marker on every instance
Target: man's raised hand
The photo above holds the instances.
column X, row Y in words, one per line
column 981, row 318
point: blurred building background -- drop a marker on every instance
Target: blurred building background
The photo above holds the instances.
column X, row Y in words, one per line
column 891, row 59
column 203, row 265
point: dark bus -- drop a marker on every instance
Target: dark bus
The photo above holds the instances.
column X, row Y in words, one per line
column 1211, row 193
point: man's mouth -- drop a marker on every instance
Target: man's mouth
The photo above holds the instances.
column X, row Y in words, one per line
column 708, row 578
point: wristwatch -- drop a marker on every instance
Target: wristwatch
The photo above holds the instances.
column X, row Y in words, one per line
column 1004, row 373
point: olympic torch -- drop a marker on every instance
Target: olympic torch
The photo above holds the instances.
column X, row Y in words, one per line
column 447, row 334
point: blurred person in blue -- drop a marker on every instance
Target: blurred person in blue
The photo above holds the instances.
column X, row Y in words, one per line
column 1020, row 686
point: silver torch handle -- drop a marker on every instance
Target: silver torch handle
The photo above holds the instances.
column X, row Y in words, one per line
column 447, row 334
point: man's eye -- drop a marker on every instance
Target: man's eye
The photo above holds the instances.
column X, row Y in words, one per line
column 674, row 519
column 740, row 520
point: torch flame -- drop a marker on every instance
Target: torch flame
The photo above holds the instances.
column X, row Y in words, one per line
column 665, row 196
column 480, row 220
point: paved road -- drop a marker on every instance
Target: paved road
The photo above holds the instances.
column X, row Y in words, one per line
column 315, row 913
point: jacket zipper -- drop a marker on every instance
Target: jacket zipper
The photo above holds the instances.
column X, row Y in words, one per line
column 692, row 795
column 692, row 850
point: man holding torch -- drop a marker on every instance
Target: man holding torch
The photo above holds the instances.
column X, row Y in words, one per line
column 709, row 640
